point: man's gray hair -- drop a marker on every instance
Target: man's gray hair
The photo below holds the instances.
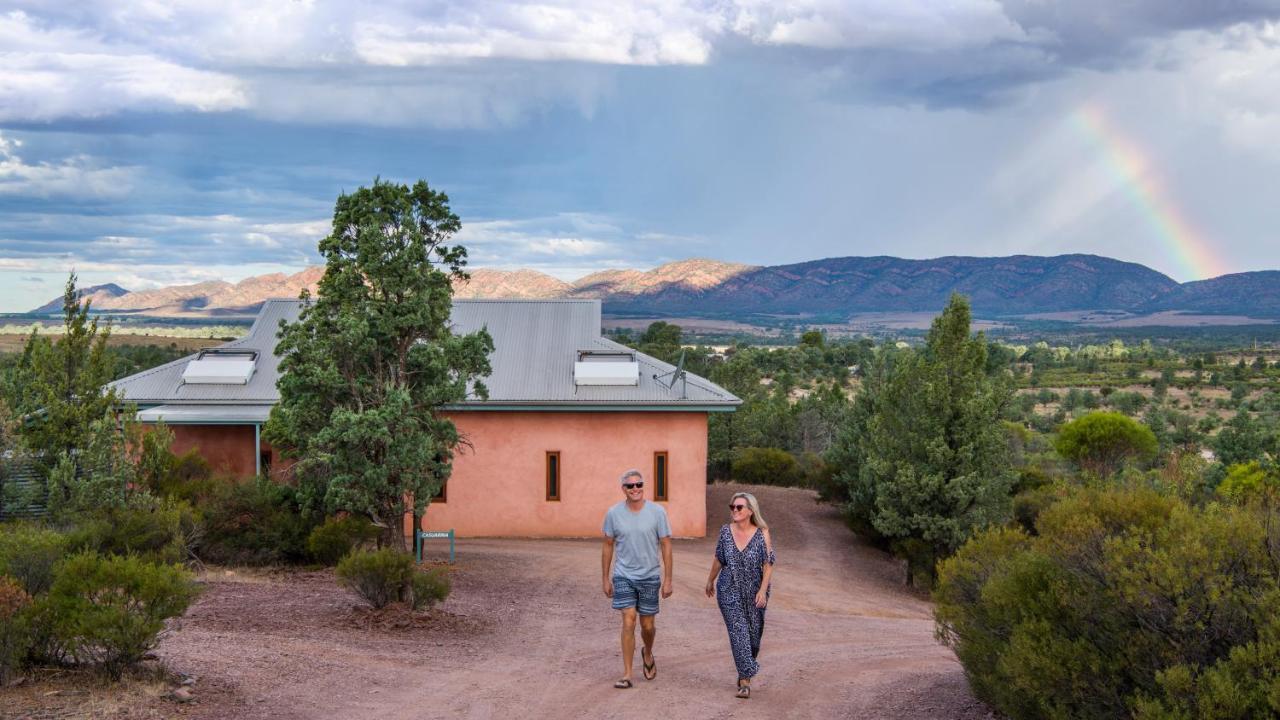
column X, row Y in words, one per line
column 630, row 473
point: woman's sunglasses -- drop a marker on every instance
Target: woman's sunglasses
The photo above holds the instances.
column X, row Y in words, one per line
column 737, row 507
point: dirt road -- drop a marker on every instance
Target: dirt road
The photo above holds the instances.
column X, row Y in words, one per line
column 527, row 633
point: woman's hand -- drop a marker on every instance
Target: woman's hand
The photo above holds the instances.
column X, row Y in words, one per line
column 762, row 598
column 711, row 588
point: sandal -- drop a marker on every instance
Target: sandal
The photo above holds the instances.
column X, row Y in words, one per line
column 744, row 691
column 623, row 684
column 651, row 667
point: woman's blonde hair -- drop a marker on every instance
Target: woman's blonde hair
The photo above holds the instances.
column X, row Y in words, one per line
column 756, row 519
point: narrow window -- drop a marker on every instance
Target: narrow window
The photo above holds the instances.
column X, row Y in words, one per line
column 442, row 495
column 660, row 476
column 264, row 461
column 553, row 475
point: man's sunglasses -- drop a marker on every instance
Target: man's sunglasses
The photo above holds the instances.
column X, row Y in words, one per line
column 737, row 507
column 632, row 486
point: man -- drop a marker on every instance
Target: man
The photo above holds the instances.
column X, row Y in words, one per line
column 634, row 530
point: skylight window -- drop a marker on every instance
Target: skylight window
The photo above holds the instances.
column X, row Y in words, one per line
column 221, row 367
column 606, row 368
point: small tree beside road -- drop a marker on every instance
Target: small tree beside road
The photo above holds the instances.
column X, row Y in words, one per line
column 371, row 360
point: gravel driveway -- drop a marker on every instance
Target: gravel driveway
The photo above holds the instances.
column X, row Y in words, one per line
column 528, row 633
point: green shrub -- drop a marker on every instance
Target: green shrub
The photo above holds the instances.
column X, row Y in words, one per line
column 257, row 522
column 159, row 531
column 430, row 587
column 765, row 466
column 15, row 631
column 1101, row 442
column 109, row 611
column 29, row 553
column 379, row 577
column 1127, row 602
column 332, row 541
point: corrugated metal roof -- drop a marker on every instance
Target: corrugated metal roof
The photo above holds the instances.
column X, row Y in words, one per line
column 205, row 414
column 536, row 343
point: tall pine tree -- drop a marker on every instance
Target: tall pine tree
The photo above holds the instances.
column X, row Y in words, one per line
column 924, row 457
column 371, row 361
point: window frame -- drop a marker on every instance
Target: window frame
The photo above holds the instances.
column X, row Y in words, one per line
column 558, row 478
column 662, row 480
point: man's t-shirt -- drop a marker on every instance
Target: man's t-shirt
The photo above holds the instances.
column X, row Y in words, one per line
column 635, row 539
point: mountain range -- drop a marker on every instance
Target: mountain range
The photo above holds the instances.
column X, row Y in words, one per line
column 996, row 286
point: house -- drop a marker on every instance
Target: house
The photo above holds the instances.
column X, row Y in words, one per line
column 568, row 411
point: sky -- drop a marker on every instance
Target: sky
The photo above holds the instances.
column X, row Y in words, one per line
column 158, row 142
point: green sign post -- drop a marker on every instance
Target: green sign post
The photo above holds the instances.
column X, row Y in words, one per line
column 424, row 535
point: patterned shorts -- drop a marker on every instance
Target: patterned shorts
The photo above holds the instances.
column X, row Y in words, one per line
column 639, row 594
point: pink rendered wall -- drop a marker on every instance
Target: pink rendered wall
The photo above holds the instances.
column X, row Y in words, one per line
column 498, row 487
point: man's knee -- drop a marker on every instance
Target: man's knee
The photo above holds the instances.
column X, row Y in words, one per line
column 646, row 622
column 629, row 619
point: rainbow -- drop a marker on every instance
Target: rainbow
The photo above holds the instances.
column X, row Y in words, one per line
column 1130, row 165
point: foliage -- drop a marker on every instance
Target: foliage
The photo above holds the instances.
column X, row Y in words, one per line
column 158, row 531
column 765, row 466
column 255, row 522
column 59, row 386
column 1123, row 603
column 379, row 577
column 923, row 454
column 430, row 587
column 15, row 630
column 109, row 611
column 1244, row 439
column 29, row 555
column 1101, row 442
column 372, row 359
column 100, row 473
column 1248, row 480
column 332, row 541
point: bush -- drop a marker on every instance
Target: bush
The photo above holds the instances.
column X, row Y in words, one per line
column 15, row 632
column 430, row 587
column 257, row 522
column 160, row 532
column 765, row 466
column 379, row 577
column 1127, row 602
column 28, row 554
column 332, row 541
column 1102, row 442
column 109, row 611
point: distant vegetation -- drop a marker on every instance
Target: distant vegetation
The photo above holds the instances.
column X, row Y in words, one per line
column 1104, row 514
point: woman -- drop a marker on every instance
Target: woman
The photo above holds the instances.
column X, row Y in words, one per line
column 743, row 564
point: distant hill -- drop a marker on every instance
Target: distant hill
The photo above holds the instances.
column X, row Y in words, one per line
column 1250, row 293
column 96, row 294
column 999, row 286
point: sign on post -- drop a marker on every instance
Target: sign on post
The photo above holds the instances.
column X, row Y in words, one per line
column 425, row 535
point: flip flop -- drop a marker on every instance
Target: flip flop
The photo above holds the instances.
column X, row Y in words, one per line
column 651, row 667
column 623, row 684
column 744, row 691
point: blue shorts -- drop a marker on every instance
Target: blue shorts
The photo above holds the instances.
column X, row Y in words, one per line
column 639, row 594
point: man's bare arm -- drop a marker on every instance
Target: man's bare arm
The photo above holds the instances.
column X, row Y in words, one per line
column 666, row 566
column 606, row 565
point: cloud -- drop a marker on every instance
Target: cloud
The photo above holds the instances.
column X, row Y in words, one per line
column 79, row 176
column 491, row 63
column 568, row 242
column 48, row 73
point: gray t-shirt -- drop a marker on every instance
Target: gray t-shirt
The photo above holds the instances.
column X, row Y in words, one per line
column 635, row 539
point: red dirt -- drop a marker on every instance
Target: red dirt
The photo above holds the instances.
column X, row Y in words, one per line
column 527, row 633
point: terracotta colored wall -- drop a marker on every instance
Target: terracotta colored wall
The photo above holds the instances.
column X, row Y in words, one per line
column 499, row 486
column 228, row 448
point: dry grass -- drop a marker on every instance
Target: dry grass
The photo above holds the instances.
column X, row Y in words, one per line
column 10, row 342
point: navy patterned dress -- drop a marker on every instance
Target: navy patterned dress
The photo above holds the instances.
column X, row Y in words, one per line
column 741, row 573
